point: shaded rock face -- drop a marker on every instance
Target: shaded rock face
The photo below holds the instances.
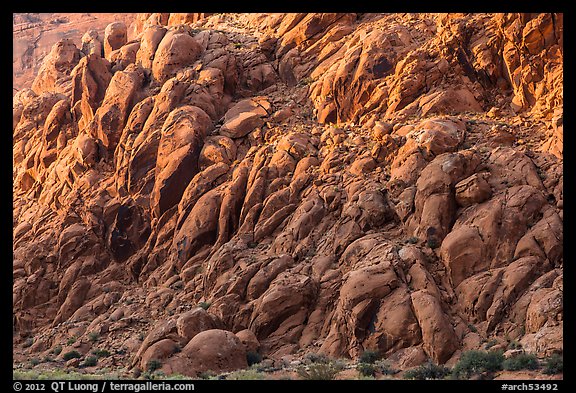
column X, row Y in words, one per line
column 182, row 195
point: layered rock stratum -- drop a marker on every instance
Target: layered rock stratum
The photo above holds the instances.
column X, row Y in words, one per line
column 191, row 188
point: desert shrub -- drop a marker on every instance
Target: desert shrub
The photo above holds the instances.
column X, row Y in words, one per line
column 177, row 377
column 320, row 371
column 366, row 369
column 369, row 357
column 90, row 361
column 93, row 336
column 101, row 353
column 57, row 350
column 384, row 368
column 29, row 341
column 316, row 358
column 71, row 355
column 476, row 362
column 206, row 375
column 153, row 365
column 523, row 361
column 554, row 364
column 242, row 375
column 370, row 369
column 514, row 345
column 253, row 358
column 34, row 362
column 427, row 370
column 204, row 305
column 71, row 340
column 490, row 344
column 433, row 243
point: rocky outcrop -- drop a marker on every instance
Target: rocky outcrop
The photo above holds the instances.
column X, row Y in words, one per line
column 115, row 36
column 282, row 184
column 214, row 350
column 54, row 74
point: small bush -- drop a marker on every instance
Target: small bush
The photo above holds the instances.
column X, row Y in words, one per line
column 71, row 355
column 177, row 377
column 101, row 353
column 320, row 371
column 369, row 357
column 366, row 369
column 57, row 350
column 433, row 243
column 384, row 368
column 71, row 340
column 147, row 375
column 412, row 240
column 305, row 81
column 427, row 370
column 523, row 361
column 34, row 362
column 490, row 344
column 90, row 361
column 316, row 358
column 554, row 364
column 472, row 328
column 243, row 375
column 206, row 375
column 93, row 337
column 204, row 305
column 253, row 358
column 514, row 345
column 28, row 343
column 476, row 362
column 153, row 365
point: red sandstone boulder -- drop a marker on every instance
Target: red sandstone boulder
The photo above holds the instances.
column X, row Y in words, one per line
column 244, row 117
column 212, row 350
column 115, row 36
column 176, row 50
column 54, row 74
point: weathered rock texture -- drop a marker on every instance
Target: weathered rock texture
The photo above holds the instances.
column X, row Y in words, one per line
column 292, row 183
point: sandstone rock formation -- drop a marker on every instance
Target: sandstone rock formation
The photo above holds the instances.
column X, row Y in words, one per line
column 36, row 33
column 285, row 184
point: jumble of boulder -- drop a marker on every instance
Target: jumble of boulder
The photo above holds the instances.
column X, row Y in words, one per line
column 303, row 183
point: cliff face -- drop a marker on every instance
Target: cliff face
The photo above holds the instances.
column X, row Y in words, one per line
column 289, row 184
column 34, row 34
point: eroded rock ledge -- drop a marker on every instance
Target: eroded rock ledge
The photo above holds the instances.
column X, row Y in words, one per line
column 292, row 183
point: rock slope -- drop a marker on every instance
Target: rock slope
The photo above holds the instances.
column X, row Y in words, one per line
column 34, row 34
column 290, row 184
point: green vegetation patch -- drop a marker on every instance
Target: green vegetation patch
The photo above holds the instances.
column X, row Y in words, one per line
column 554, row 364
column 71, row 355
column 523, row 361
column 477, row 362
column 427, row 370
